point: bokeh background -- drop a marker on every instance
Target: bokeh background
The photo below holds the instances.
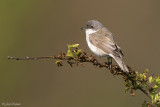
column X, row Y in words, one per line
column 45, row 27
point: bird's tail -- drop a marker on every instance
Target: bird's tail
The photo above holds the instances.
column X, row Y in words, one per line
column 121, row 64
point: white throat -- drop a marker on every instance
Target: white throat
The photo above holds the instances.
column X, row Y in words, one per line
column 90, row 31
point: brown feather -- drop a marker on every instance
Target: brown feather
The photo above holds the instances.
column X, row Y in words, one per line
column 103, row 39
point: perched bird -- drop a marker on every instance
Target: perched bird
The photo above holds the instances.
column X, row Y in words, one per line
column 101, row 42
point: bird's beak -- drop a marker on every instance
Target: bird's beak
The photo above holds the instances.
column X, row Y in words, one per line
column 83, row 28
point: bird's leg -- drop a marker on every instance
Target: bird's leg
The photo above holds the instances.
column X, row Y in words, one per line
column 109, row 62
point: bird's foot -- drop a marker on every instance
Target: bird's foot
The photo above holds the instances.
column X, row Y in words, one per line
column 109, row 65
column 109, row 62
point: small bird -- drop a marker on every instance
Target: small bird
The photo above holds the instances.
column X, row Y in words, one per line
column 101, row 42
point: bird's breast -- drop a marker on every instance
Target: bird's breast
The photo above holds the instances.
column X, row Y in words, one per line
column 92, row 47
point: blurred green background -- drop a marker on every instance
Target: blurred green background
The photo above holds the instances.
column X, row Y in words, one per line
column 45, row 27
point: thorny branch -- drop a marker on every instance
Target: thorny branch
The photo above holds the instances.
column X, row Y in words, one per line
column 83, row 58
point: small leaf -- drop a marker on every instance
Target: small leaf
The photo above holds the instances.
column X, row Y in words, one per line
column 156, row 99
column 155, row 86
column 127, row 83
column 153, row 79
column 153, row 91
column 137, row 73
column 157, row 80
column 57, row 62
column 144, row 76
column 78, row 52
column 141, row 75
column 146, row 71
column 156, row 96
column 127, row 89
column 135, row 86
column 146, row 84
column 152, row 96
column 69, row 53
column 150, row 79
column 73, row 46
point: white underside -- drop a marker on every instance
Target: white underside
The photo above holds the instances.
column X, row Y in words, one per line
column 101, row 53
column 93, row 48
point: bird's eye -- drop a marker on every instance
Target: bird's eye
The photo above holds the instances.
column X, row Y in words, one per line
column 91, row 26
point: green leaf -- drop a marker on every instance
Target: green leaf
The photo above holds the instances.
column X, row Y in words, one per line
column 69, row 53
column 150, row 79
column 78, row 52
column 126, row 89
column 153, row 91
column 141, row 75
column 146, row 71
column 127, row 83
column 136, row 85
column 137, row 73
column 152, row 96
column 156, row 99
column 155, row 86
column 144, row 76
column 73, row 46
column 57, row 62
column 157, row 80
column 146, row 84
column 156, row 96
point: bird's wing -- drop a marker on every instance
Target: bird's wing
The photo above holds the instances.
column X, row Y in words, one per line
column 104, row 40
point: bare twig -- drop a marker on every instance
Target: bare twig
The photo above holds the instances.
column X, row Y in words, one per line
column 31, row 58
